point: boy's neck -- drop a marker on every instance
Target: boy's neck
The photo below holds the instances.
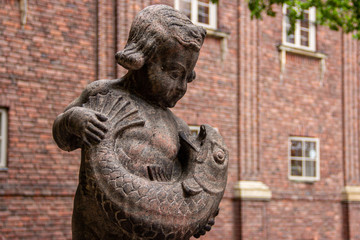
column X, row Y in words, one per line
column 132, row 83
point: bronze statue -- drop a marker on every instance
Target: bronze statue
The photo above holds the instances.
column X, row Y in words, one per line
column 142, row 175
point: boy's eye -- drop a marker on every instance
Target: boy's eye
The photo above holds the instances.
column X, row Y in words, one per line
column 175, row 74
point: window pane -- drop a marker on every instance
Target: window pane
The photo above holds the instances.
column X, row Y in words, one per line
column 194, row 132
column 310, row 168
column 305, row 22
column 185, row 7
column 296, row 168
column 203, row 14
column 287, row 14
column 310, row 150
column 304, row 38
column 296, row 148
column 289, row 37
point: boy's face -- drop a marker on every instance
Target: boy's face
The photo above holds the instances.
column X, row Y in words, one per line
column 168, row 72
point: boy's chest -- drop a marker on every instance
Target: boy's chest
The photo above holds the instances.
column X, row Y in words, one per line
column 155, row 142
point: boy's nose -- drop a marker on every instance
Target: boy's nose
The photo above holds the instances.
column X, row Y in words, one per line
column 182, row 86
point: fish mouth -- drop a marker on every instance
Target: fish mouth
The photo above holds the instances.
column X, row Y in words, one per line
column 183, row 136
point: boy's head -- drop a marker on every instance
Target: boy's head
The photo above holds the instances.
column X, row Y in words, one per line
column 152, row 27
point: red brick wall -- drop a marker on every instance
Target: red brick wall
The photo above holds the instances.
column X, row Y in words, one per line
column 353, row 221
column 43, row 66
column 67, row 44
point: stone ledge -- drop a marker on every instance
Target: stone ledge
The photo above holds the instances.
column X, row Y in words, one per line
column 224, row 40
column 351, row 194
column 216, row 33
column 252, row 190
column 302, row 51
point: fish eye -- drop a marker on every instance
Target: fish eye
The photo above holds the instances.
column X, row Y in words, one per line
column 219, row 156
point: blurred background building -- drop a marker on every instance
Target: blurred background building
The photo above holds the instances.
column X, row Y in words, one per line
column 287, row 106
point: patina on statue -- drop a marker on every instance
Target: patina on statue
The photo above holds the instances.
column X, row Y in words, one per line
column 142, row 174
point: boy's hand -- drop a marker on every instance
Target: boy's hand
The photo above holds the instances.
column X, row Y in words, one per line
column 87, row 124
column 208, row 226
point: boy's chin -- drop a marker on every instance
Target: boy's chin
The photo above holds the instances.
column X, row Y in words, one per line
column 170, row 104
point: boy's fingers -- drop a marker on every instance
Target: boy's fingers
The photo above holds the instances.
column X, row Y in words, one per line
column 86, row 142
column 96, row 131
column 207, row 227
column 211, row 222
column 101, row 117
column 202, row 232
column 99, row 125
column 92, row 137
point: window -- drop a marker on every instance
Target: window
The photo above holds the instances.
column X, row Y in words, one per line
column 3, row 137
column 201, row 12
column 194, row 130
column 305, row 30
column 304, row 159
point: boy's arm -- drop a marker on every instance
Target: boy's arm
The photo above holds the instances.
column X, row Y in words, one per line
column 78, row 125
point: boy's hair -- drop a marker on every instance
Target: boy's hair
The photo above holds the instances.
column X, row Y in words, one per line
column 151, row 27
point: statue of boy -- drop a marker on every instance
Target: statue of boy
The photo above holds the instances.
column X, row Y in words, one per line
column 137, row 175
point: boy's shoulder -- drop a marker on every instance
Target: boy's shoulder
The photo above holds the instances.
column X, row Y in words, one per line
column 100, row 86
column 182, row 125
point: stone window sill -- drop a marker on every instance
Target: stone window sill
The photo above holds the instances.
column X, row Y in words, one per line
column 223, row 38
column 303, row 52
column 303, row 180
column 283, row 49
column 216, row 33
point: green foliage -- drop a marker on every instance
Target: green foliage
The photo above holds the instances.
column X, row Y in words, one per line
column 337, row 14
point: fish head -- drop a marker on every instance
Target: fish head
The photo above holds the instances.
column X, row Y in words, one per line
column 212, row 160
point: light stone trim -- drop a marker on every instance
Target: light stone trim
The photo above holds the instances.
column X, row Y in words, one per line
column 304, row 52
column 224, row 40
column 23, row 12
column 351, row 194
column 284, row 49
column 252, row 190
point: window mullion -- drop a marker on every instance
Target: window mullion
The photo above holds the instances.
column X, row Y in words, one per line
column 284, row 29
column 177, row 4
column 194, row 11
column 312, row 30
column 212, row 14
column 297, row 33
column 3, row 138
column 303, row 159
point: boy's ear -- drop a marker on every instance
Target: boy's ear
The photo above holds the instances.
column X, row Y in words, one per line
column 192, row 77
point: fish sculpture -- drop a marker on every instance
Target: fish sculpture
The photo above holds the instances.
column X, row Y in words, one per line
column 136, row 207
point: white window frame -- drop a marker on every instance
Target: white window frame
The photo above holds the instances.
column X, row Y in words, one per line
column 194, row 13
column 297, row 33
column 3, row 137
column 194, row 128
column 304, row 178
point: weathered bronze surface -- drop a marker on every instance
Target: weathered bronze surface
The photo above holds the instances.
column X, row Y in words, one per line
column 142, row 175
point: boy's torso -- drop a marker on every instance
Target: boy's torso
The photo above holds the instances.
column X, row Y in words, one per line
column 151, row 148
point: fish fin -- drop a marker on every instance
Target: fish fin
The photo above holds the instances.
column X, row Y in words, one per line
column 156, row 173
column 191, row 187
